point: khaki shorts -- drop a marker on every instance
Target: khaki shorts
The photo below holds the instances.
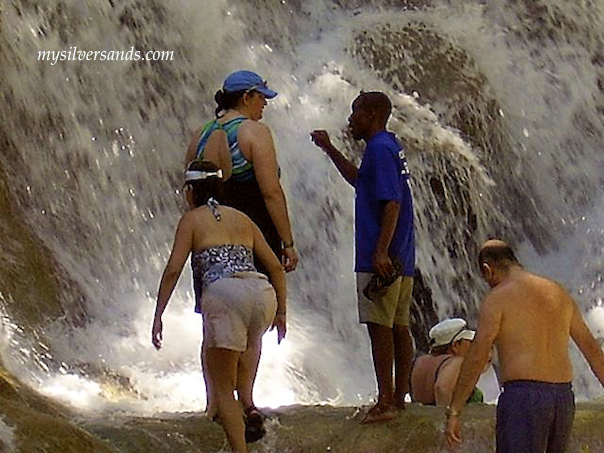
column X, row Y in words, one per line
column 392, row 308
column 237, row 311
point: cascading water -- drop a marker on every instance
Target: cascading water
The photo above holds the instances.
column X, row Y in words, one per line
column 500, row 105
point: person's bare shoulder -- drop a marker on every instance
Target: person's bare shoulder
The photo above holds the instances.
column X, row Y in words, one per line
column 552, row 289
column 449, row 370
column 542, row 281
column 236, row 214
column 189, row 216
column 558, row 287
column 498, row 295
column 253, row 130
column 187, row 222
column 255, row 126
column 564, row 296
column 455, row 360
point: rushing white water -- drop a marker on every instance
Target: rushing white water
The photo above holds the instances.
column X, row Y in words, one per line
column 98, row 150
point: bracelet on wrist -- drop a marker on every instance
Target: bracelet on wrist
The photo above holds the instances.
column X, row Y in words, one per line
column 281, row 313
column 288, row 245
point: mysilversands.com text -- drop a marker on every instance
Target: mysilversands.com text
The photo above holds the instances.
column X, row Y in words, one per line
column 73, row 54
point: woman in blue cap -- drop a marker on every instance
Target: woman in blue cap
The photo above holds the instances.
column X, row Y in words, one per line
column 243, row 148
column 248, row 159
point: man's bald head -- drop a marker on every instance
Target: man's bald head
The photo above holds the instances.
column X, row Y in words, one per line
column 495, row 252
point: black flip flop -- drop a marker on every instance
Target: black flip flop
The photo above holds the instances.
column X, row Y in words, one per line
column 254, row 424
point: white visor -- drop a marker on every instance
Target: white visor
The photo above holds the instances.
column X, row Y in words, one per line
column 197, row 175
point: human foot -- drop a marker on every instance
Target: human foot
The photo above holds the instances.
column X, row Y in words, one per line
column 212, row 414
column 379, row 413
column 399, row 405
column 254, row 424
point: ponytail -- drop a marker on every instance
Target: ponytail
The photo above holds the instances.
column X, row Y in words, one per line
column 225, row 100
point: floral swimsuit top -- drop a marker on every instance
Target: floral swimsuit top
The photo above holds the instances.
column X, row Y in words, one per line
column 221, row 261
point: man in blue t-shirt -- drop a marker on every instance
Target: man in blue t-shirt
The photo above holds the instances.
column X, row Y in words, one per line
column 384, row 245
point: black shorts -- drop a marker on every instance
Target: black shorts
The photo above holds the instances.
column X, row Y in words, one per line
column 534, row 417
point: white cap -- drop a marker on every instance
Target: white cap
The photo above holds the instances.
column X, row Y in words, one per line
column 449, row 331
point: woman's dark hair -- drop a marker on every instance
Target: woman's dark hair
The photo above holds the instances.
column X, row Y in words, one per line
column 203, row 189
column 226, row 100
column 440, row 350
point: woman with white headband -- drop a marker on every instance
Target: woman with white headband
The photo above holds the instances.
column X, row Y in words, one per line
column 242, row 147
column 238, row 303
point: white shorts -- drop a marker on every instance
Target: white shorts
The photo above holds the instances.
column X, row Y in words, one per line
column 237, row 311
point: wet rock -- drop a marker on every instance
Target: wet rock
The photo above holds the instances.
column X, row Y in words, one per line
column 39, row 424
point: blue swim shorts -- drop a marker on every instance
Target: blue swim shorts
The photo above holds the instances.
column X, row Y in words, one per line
column 534, row 417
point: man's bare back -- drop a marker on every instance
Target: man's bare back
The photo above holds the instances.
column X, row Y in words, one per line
column 533, row 337
column 530, row 319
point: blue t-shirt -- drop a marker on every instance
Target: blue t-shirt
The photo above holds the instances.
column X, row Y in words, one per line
column 382, row 177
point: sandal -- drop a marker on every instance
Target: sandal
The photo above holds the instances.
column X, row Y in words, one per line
column 379, row 414
column 254, row 424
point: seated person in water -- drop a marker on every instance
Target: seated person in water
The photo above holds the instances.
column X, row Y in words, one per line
column 238, row 304
column 434, row 375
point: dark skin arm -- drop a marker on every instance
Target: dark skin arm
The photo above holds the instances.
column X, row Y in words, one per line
column 382, row 263
column 344, row 166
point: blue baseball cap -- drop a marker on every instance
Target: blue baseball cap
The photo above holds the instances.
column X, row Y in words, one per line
column 247, row 80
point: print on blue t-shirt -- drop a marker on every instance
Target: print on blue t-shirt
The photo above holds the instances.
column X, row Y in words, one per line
column 383, row 176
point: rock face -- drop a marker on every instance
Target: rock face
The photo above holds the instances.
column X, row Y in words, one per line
column 32, row 423
column 24, row 260
column 30, row 273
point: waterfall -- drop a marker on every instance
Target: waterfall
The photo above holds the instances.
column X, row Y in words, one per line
column 499, row 104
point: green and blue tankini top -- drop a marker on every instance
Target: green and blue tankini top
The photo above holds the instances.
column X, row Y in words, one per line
column 241, row 191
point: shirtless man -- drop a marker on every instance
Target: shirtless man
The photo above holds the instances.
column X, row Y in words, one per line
column 530, row 320
column 434, row 375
